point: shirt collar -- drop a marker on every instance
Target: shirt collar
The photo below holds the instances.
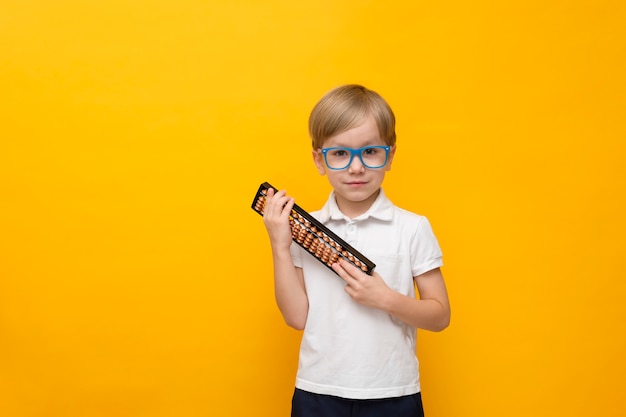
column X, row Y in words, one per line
column 381, row 209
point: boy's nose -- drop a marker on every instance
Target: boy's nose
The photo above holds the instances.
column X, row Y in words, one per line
column 356, row 165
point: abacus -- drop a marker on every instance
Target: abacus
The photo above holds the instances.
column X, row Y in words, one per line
column 313, row 236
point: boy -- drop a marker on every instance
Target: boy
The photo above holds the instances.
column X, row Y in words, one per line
column 357, row 355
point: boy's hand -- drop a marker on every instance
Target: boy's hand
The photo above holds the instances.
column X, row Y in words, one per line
column 364, row 289
column 276, row 218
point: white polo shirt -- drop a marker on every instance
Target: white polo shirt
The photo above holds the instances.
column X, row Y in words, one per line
column 349, row 350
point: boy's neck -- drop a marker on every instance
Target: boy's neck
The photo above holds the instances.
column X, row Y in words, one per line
column 353, row 209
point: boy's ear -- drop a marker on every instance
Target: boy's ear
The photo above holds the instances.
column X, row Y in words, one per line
column 392, row 152
column 318, row 159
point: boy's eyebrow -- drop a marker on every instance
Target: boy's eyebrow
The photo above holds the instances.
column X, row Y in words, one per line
column 371, row 142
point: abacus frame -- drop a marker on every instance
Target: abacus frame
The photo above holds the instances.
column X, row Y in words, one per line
column 315, row 237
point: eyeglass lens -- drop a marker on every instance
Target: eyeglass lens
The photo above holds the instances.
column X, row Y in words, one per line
column 371, row 157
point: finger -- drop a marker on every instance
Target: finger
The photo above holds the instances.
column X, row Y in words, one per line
column 338, row 267
column 350, row 291
column 275, row 200
column 282, row 203
column 350, row 269
column 288, row 206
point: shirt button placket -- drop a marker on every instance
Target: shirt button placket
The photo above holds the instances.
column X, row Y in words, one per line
column 351, row 233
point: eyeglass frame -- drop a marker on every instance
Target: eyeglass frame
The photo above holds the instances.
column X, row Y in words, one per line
column 359, row 153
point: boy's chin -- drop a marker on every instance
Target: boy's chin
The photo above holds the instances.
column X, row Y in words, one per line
column 359, row 195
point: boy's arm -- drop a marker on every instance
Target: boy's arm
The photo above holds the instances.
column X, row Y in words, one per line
column 430, row 312
column 289, row 288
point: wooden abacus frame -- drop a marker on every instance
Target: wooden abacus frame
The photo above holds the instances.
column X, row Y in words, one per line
column 313, row 236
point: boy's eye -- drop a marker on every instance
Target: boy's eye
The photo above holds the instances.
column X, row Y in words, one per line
column 340, row 152
column 370, row 151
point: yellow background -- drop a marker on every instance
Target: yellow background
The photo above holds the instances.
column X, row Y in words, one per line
column 135, row 278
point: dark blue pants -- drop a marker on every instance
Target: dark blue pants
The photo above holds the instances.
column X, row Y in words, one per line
column 306, row 404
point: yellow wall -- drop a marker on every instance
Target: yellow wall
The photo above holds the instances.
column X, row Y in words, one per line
column 135, row 278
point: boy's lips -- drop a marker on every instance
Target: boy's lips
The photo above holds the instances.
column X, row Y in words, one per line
column 356, row 183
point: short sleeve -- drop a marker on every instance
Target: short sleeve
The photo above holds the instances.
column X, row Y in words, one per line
column 425, row 251
column 296, row 254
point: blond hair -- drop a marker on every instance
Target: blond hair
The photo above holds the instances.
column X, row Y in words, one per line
column 346, row 107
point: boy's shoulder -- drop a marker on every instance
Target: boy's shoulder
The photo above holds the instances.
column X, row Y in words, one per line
column 408, row 221
column 409, row 214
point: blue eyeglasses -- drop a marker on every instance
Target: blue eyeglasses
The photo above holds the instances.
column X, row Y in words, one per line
column 371, row 157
